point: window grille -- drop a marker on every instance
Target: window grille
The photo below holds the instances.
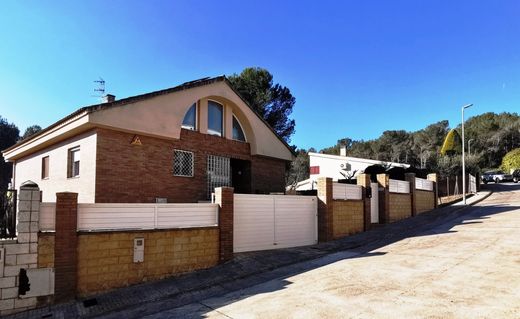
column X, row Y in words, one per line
column 183, row 163
column 219, row 172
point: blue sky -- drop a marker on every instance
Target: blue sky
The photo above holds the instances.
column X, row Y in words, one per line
column 356, row 68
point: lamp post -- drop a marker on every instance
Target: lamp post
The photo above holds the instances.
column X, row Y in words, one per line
column 469, row 146
column 463, row 162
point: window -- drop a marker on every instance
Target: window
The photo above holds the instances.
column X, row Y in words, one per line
column 182, row 163
column 73, row 162
column 190, row 119
column 314, row 170
column 45, row 167
column 215, row 118
column 238, row 133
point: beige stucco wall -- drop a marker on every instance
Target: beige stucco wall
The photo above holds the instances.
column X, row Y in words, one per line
column 162, row 116
column 29, row 168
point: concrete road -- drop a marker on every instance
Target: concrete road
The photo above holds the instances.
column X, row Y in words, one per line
column 466, row 268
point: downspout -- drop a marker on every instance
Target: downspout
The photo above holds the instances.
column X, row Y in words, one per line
column 13, row 178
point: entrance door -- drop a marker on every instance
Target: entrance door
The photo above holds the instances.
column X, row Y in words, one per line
column 241, row 176
column 219, row 172
column 374, row 203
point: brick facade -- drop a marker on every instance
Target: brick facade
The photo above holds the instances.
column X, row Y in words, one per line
column 347, row 217
column 127, row 173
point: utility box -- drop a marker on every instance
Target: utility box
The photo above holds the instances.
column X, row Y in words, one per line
column 138, row 250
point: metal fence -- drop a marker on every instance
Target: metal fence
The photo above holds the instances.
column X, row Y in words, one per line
column 7, row 214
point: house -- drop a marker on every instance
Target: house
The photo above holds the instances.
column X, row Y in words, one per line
column 337, row 167
column 173, row 145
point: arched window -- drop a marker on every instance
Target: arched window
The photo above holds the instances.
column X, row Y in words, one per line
column 190, row 119
column 215, row 118
column 238, row 132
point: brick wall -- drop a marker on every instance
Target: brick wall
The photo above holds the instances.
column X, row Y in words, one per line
column 128, row 173
column 348, row 217
column 425, row 201
column 400, row 207
column 105, row 260
column 268, row 175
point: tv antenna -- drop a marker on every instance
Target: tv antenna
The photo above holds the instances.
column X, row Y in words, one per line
column 99, row 91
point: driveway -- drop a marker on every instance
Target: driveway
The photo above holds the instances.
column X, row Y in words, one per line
column 465, row 268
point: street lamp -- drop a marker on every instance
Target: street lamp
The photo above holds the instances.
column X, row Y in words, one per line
column 469, row 146
column 463, row 162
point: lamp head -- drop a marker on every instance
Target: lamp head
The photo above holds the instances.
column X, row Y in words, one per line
column 467, row 105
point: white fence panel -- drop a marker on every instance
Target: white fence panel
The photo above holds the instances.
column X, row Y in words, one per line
column 187, row 215
column 47, row 219
column 399, row 186
column 472, row 184
column 346, row 191
column 145, row 216
column 423, row 184
column 273, row 221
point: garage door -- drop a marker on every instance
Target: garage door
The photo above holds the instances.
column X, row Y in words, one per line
column 274, row 221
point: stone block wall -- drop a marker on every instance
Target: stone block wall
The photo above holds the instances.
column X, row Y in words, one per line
column 105, row 260
column 348, row 217
column 399, row 207
column 21, row 253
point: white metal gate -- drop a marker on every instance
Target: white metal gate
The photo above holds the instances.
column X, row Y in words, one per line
column 263, row 222
column 374, row 203
column 219, row 172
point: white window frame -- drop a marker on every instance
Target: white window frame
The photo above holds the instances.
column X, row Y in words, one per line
column 192, row 163
column 211, row 132
column 194, row 128
column 48, row 167
column 70, row 163
column 241, row 128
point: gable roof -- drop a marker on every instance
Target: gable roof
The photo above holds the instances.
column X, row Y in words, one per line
column 140, row 97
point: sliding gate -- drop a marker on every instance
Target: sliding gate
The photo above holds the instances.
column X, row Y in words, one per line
column 263, row 222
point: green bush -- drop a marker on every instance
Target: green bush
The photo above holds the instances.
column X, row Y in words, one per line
column 511, row 160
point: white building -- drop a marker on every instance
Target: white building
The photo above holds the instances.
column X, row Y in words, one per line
column 334, row 166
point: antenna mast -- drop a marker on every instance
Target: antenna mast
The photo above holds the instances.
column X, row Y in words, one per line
column 100, row 89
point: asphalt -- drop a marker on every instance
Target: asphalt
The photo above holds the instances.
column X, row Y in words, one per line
column 245, row 270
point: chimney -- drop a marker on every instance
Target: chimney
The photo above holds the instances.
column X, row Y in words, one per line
column 109, row 98
column 343, row 150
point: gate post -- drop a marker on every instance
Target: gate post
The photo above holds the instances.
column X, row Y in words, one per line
column 410, row 177
column 363, row 180
column 433, row 177
column 384, row 198
column 65, row 246
column 325, row 209
column 224, row 199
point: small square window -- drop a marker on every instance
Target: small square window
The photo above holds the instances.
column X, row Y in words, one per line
column 45, row 167
column 73, row 162
column 182, row 163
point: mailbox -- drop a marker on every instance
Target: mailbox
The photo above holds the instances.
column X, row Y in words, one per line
column 138, row 250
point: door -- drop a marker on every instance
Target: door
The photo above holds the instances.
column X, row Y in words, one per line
column 374, row 203
column 219, row 172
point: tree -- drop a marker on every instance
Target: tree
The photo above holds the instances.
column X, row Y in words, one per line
column 31, row 130
column 511, row 160
column 8, row 137
column 299, row 169
column 273, row 102
column 452, row 144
